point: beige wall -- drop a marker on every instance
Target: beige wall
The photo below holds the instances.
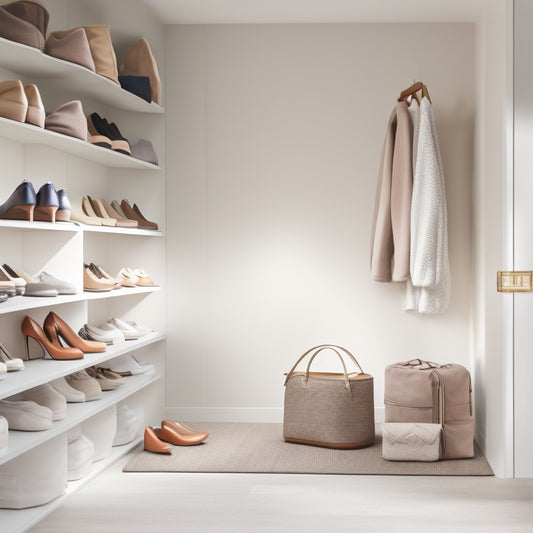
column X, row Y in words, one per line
column 274, row 139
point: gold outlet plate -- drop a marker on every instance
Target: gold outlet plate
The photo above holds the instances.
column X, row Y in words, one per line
column 515, row 281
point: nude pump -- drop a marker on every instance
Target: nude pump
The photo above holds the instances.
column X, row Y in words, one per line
column 32, row 330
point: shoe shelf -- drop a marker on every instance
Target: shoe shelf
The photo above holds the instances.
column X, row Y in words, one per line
column 23, row 303
column 20, row 520
column 35, row 65
column 29, row 134
column 39, row 371
column 23, row 441
column 75, row 227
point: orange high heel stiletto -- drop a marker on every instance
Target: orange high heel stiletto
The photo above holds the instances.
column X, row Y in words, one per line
column 32, row 330
column 55, row 327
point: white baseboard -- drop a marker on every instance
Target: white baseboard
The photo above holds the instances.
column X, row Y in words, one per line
column 238, row 414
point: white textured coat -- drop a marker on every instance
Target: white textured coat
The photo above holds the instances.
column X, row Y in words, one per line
column 428, row 291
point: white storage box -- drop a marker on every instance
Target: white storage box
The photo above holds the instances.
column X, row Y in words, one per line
column 100, row 430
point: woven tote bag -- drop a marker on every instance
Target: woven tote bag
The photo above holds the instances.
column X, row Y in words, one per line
column 332, row 410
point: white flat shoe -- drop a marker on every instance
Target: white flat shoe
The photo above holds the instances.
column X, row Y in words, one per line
column 129, row 332
column 26, row 415
column 127, row 365
column 47, row 396
column 71, row 394
column 105, row 331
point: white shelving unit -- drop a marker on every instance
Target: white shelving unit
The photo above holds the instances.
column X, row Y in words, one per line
column 18, row 521
column 28, row 134
column 24, row 303
column 66, row 245
column 33, row 63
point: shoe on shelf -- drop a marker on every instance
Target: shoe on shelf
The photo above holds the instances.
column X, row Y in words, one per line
column 68, row 119
column 139, row 61
column 100, row 211
column 60, row 285
column 102, row 51
column 47, row 396
column 104, row 382
column 36, row 114
column 112, row 213
column 71, row 394
column 32, row 330
column 137, row 85
column 64, row 209
column 89, row 211
column 47, row 203
column 127, row 278
column 169, row 433
column 144, row 150
column 71, row 45
column 182, row 428
column 33, row 286
column 92, row 283
column 118, row 208
column 135, row 214
column 13, row 100
column 152, row 443
column 129, row 332
column 25, row 22
column 20, row 284
column 26, row 415
column 21, row 204
column 100, row 273
column 99, row 126
column 7, row 285
column 127, row 365
column 77, row 215
column 83, row 382
column 144, row 279
column 56, row 329
column 109, row 335
column 12, row 364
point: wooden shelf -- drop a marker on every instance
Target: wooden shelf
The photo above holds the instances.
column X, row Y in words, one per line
column 29, row 134
column 20, row 520
column 24, row 303
column 34, row 65
column 39, row 371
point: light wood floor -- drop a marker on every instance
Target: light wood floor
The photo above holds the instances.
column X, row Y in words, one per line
column 128, row 503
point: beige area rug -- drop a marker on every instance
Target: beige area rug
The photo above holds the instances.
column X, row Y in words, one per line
column 260, row 448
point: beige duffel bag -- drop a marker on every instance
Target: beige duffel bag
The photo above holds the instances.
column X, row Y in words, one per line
column 422, row 391
column 333, row 410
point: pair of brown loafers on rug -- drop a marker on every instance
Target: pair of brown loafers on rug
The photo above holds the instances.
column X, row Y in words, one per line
column 160, row 440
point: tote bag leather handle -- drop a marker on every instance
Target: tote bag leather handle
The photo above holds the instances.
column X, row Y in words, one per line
column 319, row 349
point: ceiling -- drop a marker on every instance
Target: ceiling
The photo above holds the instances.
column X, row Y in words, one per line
column 315, row 11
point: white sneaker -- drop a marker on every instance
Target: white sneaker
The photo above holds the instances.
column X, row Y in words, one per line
column 26, row 415
column 105, row 331
column 47, row 396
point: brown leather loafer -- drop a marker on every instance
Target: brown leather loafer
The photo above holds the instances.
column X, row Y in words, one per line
column 25, row 22
column 68, row 119
column 152, row 443
column 139, row 61
column 71, row 45
column 13, row 100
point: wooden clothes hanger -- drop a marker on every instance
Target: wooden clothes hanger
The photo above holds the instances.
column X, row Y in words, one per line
column 415, row 89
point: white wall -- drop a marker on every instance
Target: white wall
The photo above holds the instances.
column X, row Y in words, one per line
column 274, row 140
